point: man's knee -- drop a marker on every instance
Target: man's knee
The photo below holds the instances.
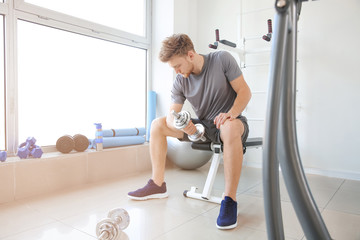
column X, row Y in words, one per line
column 158, row 125
column 232, row 131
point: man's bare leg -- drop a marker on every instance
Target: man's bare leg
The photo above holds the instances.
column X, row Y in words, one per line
column 156, row 187
column 158, row 147
column 231, row 133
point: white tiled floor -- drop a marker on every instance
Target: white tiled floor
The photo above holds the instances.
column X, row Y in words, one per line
column 73, row 214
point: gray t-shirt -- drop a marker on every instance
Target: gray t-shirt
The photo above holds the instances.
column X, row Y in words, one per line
column 210, row 92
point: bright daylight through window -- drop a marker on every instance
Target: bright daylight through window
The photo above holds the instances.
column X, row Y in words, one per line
column 125, row 15
column 67, row 82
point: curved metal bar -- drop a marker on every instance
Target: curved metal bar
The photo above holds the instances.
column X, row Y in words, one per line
column 280, row 144
column 272, row 203
column 288, row 152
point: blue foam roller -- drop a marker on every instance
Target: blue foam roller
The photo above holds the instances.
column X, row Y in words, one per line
column 91, row 143
column 121, row 141
column 124, row 132
column 151, row 112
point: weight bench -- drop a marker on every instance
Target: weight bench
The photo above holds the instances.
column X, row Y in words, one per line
column 215, row 161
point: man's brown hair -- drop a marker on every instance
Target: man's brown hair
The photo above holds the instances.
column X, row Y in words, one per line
column 175, row 45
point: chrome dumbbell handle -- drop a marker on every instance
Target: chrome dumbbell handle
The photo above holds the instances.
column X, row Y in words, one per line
column 199, row 134
column 182, row 119
column 121, row 217
column 177, row 115
column 110, row 228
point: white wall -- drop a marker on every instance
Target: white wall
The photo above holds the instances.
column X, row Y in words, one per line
column 169, row 17
column 327, row 114
column 162, row 75
column 328, row 127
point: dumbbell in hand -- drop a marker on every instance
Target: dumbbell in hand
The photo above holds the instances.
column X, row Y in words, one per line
column 111, row 227
column 29, row 148
column 182, row 119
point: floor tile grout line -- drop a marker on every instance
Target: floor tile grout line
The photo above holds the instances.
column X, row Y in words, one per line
column 53, row 220
column 70, row 226
column 249, row 188
column 337, row 190
column 42, row 225
column 344, row 212
column 172, row 229
column 26, row 230
column 265, row 231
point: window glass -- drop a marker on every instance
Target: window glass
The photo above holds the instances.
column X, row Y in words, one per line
column 126, row 15
column 2, row 86
column 67, row 82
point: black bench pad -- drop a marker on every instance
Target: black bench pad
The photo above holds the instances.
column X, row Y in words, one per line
column 250, row 142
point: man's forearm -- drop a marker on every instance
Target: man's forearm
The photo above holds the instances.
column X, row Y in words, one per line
column 170, row 121
column 241, row 101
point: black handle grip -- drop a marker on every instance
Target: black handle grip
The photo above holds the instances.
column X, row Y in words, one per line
column 217, row 36
column 212, row 46
column 201, row 146
column 266, row 38
column 269, row 26
column 228, row 43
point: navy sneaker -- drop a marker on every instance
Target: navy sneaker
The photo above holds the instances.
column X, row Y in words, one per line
column 151, row 190
column 227, row 218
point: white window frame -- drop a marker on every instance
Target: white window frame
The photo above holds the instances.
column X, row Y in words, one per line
column 14, row 10
column 44, row 13
column 3, row 11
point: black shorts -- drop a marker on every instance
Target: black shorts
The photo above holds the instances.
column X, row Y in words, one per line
column 212, row 134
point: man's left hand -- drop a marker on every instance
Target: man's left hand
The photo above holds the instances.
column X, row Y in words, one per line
column 221, row 119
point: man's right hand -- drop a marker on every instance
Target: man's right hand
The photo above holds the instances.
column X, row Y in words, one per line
column 190, row 129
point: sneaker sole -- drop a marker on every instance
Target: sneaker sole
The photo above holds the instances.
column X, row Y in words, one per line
column 227, row 227
column 153, row 196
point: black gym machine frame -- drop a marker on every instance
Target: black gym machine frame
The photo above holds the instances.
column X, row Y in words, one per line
column 280, row 142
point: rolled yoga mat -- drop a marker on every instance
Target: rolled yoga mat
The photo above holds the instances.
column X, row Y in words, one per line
column 151, row 112
column 124, row 132
column 109, row 142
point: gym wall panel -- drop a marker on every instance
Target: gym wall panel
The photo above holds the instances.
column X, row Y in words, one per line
column 329, row 83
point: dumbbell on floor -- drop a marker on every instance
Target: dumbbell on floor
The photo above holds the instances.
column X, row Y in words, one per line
column 110, row 228
column 67, row 143
column 182, row 119
column 29, row 148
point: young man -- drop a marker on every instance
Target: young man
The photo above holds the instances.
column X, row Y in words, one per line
column 218, row 93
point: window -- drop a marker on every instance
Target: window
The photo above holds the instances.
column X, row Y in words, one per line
column 125, row 15
column 67, row 82
column 2, row 86
column 68, row 64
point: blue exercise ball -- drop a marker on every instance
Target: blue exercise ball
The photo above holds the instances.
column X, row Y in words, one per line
column 183, row 156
